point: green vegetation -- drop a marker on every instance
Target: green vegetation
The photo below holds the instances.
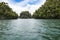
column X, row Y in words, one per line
column 25, row 14
column 51, row 9
column 6, row 12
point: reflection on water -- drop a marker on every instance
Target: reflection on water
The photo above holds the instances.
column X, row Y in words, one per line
column 30, row 29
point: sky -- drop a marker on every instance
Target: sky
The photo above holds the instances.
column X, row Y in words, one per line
column 24, row 5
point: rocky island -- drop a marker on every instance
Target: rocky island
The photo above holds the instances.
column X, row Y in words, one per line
column 25, row 15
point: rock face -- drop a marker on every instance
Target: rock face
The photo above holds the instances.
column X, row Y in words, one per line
column 6, row 12
column 50, row 10
column 25, row 14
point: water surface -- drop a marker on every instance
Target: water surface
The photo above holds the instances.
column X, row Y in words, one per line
column 30, row 29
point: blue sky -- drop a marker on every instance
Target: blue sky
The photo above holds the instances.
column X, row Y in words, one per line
column 24, row 5
column 32, row 2
column 17, row 1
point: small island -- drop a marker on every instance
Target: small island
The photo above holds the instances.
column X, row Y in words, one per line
column 25, row 15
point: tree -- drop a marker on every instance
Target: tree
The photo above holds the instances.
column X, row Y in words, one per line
column 51, row 9
column 25, row 14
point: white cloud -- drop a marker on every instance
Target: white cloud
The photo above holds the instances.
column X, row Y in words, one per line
column 24, row 6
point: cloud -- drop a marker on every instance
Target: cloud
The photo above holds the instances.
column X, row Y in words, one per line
column 24, row 5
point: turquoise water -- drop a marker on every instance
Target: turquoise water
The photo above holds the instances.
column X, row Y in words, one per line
column 30, row 29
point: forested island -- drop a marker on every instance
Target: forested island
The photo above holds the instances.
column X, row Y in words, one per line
column 25, row 15
column 50, row 10
column 6, row 12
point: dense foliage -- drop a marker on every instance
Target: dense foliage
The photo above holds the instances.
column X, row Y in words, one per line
column 6, row 12
column 51, row 9
column 25, row 14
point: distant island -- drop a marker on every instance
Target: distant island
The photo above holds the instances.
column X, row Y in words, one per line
column 25, row 15
column 50, row 10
